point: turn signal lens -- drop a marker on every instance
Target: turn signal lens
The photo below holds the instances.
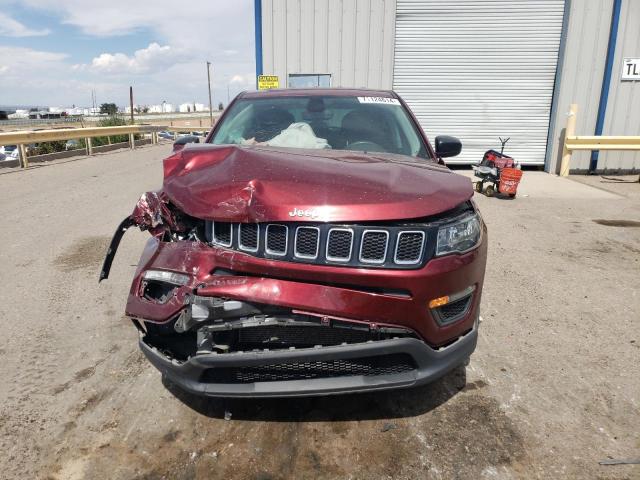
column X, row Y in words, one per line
column 438, row 302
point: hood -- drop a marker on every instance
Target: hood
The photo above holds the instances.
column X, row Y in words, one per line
column 258, row 184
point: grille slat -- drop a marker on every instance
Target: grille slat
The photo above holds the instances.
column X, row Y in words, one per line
column 307, row 242
column 276, row 239
column 374, row 246
column 339, row 245
column 222, row 233
column 249, row 237
column 384, row 246
column 409, row 247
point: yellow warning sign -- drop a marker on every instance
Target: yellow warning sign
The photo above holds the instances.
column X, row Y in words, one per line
column 265, row 82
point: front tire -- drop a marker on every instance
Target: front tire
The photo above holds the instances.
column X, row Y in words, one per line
column 490, row 190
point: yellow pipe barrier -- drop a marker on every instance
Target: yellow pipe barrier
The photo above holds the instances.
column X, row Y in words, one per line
column 22, row 138
column 39, row 136
column 594, row 142
column 603, row 143
column 568, row 132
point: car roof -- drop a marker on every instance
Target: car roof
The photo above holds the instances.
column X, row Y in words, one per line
column 317, row 92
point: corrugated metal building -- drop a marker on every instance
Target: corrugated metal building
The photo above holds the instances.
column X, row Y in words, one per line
column 476, row 69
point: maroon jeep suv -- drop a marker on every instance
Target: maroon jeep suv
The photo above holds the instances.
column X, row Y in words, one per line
column 314, row 244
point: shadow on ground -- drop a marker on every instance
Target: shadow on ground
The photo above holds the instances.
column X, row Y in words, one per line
column 364, row 406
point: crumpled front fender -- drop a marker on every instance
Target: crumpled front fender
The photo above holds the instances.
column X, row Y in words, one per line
column 151, row 213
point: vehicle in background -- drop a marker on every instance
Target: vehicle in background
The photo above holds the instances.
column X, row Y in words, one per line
column 9, row 152
column 8, row 149
column 72, row 145
column 166, row 135
column 315, row 244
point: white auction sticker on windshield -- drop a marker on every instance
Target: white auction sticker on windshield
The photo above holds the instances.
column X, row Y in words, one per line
column 387, row 100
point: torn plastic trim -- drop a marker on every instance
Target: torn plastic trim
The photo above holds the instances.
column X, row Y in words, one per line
column 219, row 314
column 205, row 309
column 113, row 247
column 154, row 213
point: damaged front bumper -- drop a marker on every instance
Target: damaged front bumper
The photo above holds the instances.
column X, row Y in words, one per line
column 219, row 322
column 375, row 365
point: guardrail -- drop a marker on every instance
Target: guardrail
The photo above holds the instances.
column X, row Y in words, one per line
column 22, row 138
column 594, row 142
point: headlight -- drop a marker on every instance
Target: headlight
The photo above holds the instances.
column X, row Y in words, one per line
column 460, row 236
column 167, row 277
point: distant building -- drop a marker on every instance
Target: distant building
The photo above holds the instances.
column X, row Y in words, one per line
column 20, row 113
column 192, row 107
column 162, row 108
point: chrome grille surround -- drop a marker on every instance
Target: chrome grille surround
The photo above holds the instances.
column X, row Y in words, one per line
column 300, row 231
column 245, row 227
column 218, row 241
column 276, row 252
column 400, row 261
column 337, row 258
column 370, row 252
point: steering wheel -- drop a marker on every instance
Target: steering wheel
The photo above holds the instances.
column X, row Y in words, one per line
column 365, row 146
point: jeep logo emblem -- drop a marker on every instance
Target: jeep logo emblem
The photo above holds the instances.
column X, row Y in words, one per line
column 310, row 213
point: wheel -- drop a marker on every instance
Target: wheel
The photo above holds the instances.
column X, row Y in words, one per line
column 512, row 195
column 478, row 187
column 489, row 191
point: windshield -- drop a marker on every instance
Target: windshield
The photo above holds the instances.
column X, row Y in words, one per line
column 369, row 124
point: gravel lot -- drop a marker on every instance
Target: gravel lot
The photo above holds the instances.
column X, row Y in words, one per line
column 553, row 388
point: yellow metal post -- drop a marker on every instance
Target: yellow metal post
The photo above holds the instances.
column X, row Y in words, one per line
column 89, row 144
column 569, row 131
column 24, row 161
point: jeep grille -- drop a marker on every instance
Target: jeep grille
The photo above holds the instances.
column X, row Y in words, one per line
column 369, row 246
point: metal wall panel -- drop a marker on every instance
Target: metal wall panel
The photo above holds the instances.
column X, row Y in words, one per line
column 623, row 108
column 585, row 53
column 350, row 39
column 479, row 69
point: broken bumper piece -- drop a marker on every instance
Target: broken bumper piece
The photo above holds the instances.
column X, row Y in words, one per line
column 346, row 368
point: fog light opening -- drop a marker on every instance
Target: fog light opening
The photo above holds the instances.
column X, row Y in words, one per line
column 451, row 308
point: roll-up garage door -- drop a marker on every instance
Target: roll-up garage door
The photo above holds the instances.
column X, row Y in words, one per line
column 479, row 70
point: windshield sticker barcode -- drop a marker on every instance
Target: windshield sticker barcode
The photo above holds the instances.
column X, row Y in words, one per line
column 388, row 101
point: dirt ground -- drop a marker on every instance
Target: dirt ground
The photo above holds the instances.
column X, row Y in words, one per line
column 553, row 388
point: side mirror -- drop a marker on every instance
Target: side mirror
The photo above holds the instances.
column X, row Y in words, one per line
column 447, row 146
column 182, row 141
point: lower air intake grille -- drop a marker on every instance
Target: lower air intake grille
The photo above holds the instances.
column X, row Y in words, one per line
column 368, row 366
column 299, row 336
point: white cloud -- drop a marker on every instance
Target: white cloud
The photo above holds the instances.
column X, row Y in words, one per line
column 238, row 79
column 151, row 59
column 170, row 65
column 9, row 27
column 24, row 59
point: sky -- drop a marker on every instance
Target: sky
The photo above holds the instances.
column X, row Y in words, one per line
column 55, row 52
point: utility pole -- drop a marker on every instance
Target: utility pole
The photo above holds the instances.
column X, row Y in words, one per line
column 209, row 83
column 131, row 102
